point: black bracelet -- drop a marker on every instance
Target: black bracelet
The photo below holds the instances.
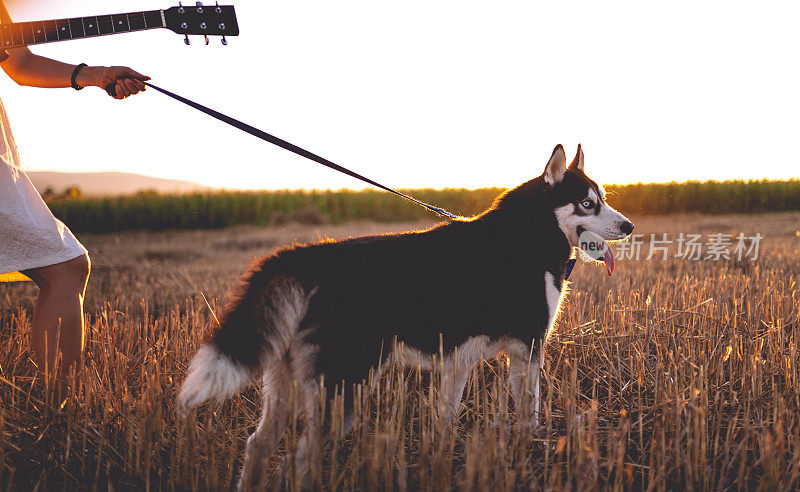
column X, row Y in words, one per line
column 75, row 74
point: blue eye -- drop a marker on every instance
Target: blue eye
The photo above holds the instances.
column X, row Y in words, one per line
column 587, row 204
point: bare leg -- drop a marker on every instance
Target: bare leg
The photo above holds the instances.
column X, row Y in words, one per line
column 58, row 315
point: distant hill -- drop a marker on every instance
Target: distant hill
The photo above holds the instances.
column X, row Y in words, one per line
column 108, row 183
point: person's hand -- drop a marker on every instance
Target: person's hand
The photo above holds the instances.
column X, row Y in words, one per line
column 127, row 81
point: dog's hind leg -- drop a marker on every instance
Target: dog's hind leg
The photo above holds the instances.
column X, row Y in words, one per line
column 263, row 443
column 306, row 456
column 288, row 379
column 301, row 466
column 454, row 380
column 455, row 371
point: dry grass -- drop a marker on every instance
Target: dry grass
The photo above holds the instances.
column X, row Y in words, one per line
column 669, row 375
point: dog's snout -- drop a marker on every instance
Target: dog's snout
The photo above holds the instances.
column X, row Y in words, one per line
column 626, row 227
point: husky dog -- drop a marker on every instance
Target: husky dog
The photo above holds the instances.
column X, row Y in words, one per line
column 472, row 288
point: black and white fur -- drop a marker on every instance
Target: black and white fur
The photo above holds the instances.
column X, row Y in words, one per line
column 484, row 286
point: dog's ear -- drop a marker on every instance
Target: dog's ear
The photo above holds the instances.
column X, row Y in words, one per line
column 556, row 166
column 577, row 162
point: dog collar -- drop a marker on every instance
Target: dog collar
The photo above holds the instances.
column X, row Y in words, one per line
column 568, row 268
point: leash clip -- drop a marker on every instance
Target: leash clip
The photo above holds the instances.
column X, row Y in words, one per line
column 444, row 213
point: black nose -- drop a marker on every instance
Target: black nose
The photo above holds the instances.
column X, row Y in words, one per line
column 626, row 227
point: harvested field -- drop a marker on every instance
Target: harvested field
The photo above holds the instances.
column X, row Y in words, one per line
column 673, row 374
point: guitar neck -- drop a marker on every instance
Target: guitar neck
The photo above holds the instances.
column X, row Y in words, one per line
column 21, row 34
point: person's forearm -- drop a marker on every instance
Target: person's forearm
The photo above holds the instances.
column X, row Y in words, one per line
column 25, row 68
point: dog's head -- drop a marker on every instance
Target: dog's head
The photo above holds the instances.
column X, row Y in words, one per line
column 581, row 210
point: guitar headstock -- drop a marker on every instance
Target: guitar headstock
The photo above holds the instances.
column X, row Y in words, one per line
column 208, row 20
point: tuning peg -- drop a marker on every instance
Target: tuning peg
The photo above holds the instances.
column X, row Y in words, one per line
column 186, row 40
column 218, row 9
column 224, row 41
column 181, row 10
column 206, row 39
column 199, row 6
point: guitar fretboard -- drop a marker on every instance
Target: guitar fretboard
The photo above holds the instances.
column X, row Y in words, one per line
column 26, row 33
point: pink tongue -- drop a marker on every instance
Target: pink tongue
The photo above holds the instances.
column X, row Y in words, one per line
column 608, row 259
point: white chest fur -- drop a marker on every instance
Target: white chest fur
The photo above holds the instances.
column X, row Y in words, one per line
column 553, row 297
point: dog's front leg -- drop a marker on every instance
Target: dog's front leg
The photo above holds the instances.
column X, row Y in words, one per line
column 524, row 378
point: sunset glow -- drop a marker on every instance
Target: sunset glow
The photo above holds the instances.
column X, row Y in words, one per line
column 416, row 94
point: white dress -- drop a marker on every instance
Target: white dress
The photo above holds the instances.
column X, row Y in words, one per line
column 30, row 237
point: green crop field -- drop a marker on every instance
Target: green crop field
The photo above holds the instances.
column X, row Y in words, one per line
column 152, row 211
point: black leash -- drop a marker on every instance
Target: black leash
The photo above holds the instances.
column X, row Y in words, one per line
column 294, row 148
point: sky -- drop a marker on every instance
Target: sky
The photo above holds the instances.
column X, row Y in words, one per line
column 432, row 93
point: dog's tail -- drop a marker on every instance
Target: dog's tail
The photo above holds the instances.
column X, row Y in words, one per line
column 213, row 375
column 262, row 324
